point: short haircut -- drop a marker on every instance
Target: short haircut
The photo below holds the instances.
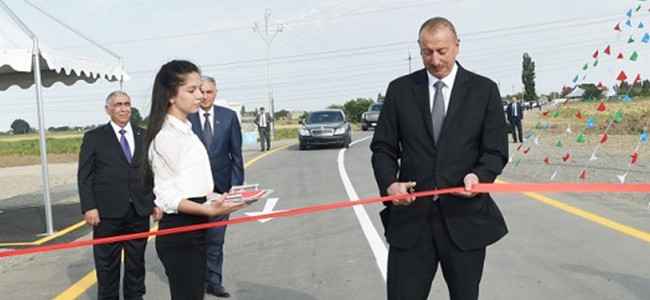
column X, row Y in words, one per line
column 114, row 94
column 436, row 23
column 208, row 78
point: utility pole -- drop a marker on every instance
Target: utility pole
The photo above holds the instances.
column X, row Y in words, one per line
column 268, row 36
column 409, row 60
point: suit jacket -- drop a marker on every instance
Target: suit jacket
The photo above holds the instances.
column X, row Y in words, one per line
column 473, row 139
column 509, row 111
column 105, row 178
column 225, row 152
column 269, row 119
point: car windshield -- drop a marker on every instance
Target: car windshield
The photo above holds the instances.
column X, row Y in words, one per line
column 325, row 117
column 376, row 107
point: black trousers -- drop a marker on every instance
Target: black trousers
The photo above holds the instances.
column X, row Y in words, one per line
column 411, row 271
column 107, row 256
column 515, row 126
column 265, row 135
column 183, row 255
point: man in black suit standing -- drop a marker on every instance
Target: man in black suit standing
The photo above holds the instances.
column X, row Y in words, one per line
column 515, row 113
column 113, row 200
column 219, row 130
column 440, row 127
column 263, row 121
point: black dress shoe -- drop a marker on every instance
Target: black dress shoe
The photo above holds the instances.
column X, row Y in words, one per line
column 217, row 290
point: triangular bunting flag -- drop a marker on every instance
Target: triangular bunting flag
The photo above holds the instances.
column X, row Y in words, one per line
column 546, row 112
column 629, row 13
column 618, row 27
column 595, row 54
column 517, row 163
column 591, row 122
column 608, row 50
column 581, row 139
column 620, row 56
column 536, row 140
column 529, row 134
column 559, row 144
column 621, row 76
column 618, row 116
column 565, row 101
column 527, row 150
column 585, row 67
column 553, row 175
column 600, row 85
column 590, row 99
column 621, row 178
column 568, row 128
column 546, row 161
column 627, row 98
column 583, row 175
column 640, row 25
column 603, row 139
column 593, row 157
column 519, row 147
column 628, row 23
column 575, row 79
column 557, row 113
column 538, row 125
column 646, row 38
column 635, row 156
column 566, row 157
column 546, row 126
column 601, row 106
column 634, row 56
column 644, row 137
column 638, row 7
column 596, row 63
column 579, row 115
column 637, row 78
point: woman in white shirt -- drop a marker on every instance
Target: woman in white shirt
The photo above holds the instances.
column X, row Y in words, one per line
column 179, row 170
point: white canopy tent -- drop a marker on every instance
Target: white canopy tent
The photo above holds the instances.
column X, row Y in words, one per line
column 24, row 62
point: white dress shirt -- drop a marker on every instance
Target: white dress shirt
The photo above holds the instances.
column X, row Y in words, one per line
column 446, row 90
column 180, row 165
column 203, row 118
column 128, row 134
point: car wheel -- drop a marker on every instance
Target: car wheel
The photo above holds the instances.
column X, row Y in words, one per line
column 363, row 128
column 303, row 146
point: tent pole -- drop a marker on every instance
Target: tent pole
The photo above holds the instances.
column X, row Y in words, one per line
column 41, row 129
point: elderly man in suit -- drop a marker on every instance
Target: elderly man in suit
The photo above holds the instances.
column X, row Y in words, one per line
column 515, row 114
column 113, row 200
column 263, row 121
column 219, row 130
column 440, row 127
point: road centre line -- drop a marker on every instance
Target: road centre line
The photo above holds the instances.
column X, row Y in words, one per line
column 370, row 232
column 86, row 282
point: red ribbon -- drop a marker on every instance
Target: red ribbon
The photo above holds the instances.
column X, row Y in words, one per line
column 481, row 188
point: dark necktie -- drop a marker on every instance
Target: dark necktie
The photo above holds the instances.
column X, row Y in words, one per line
column 125, row 145
column 207, row 131
column 438, row 111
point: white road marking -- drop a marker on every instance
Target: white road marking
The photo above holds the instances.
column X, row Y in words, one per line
column 369, row 230
column 268, row 208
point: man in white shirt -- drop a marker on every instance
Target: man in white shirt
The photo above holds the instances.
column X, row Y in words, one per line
column 263, row 122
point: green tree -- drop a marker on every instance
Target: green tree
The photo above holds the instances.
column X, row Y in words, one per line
column 136, row 118
column 283, row 114
column 20, row 126
column 623, row 88
column 528, row 78
column 354, row 108
column 243, row 110
column 591, row 90
column 335, row 106
column 645, row 88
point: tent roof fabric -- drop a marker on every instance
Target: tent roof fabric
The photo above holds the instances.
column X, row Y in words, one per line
column 16, row 49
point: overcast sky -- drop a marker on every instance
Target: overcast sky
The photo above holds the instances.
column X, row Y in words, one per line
column 328, row 51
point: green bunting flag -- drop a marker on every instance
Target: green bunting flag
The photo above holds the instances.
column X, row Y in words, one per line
column 596, row 63
column 630, row 40
column 517, row 163
column 590, row 99
column 634, row 56
column 557, row 113
column 581, row 139
column 538, row 125
column 586, row 66
column 559, row 144
column 618, row 117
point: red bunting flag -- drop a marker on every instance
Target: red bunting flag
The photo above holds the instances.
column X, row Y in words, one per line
column 526, row 151
column 565, row 101
column 600, row 85
column 601, row 106
column 546, row 161
column 608, row 50
column 595, row 54
column 565, row 157
column 603, row 139
column 519, row 147
column 621, row 76
column 618, row 27
column 635, row 156
column 637, row 79
column 579, row 115
column 583, row 175
column 546, row 112
column 620, row 56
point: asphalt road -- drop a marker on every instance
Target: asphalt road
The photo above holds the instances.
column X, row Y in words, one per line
column 551, row 252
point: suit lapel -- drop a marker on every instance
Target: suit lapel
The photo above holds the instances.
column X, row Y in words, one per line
column 458, row 96
column 113, row 142
column 421, row 91
column 137, row 138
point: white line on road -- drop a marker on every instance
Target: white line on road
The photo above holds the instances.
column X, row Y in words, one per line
column 369, row 230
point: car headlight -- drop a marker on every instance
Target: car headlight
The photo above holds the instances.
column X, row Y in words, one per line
column 304, row 131
column 340, row 130
column 363, row 116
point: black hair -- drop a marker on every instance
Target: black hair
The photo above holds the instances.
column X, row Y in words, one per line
column 170, row 77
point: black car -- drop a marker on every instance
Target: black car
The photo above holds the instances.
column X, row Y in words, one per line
column 325, row 127
column 369, row 118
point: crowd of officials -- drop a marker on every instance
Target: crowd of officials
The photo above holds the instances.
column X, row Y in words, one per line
column 181, row 168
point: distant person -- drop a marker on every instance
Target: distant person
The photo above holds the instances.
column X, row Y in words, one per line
column 178, row 168
column 440, row 127
column 219, row 130
column 515, row 113
column 113, row 200
column 263, row 121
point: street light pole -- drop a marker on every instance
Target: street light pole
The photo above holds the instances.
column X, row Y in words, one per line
column 268, row 37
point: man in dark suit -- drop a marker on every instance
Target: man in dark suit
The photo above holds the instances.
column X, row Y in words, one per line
column 218, row 127
column 263, row 121
column 440, row 127
column 113, row 200
column 515, row 113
